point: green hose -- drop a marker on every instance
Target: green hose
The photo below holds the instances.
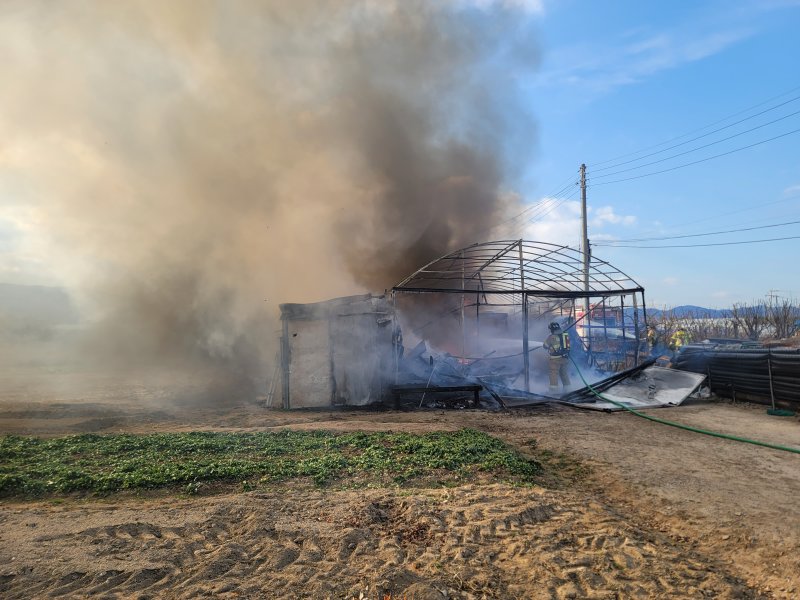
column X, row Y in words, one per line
column 726, row 436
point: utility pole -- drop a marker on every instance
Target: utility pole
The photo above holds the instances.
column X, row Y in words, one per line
column 586, row 254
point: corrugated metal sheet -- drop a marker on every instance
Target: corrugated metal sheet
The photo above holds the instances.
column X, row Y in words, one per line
column 651, row 387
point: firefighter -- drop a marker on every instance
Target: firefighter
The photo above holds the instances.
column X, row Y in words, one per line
column 654, row 343
column 678, row 340
column 557, row 345
column 397, row 342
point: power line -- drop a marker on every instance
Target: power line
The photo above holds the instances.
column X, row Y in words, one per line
column 697, row 161
column 539, row 204
column 557, row 202
column 552, row 204
column 655, row 162
column 690, row 235
column 539, row 208
column 694, row 139
column 733, row 212
column 678, row 137
column 533, row 208
column 794, row 237
column 536, row 206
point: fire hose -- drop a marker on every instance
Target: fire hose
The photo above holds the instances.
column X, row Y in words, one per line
column 725, row 436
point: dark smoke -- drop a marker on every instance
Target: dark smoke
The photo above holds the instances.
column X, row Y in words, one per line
column 194, row 163
column 440, row 129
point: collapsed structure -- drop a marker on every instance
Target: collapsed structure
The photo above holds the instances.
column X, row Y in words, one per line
column 469, row 321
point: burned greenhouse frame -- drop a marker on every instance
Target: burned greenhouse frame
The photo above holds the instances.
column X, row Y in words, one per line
column 521, row 285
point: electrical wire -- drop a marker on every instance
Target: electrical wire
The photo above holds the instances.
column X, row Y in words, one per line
column 533, row 208
column 702, row 160
column 742, row 242
column 689, row 235
column 734, row 212
column 555, row 206
column 534, row 219
column 655, row 162
column 694, row 139
column 541, row 208
column 736, row 114
column 555, row 195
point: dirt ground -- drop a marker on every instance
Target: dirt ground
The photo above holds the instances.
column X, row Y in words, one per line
column 642, row 510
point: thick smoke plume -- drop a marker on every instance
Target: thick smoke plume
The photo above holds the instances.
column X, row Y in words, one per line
column 191, row 164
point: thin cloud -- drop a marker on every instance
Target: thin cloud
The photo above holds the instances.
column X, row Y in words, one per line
column 531, row 6
column 792, row 189
column 548, row 219
column 558, row 221
column 627, row 63
column 606, row 215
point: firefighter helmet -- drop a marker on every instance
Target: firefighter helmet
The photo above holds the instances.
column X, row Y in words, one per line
column 554, row 327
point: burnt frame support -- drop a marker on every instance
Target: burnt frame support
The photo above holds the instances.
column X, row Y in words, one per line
column 285, row 364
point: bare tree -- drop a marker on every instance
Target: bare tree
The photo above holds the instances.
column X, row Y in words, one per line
column 667, row 323
column 704, row 325
column 726, row 328
column 699, row 325
column 750, row 319
column 782, row 313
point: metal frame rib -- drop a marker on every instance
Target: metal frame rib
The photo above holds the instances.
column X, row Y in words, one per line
column 547, row 270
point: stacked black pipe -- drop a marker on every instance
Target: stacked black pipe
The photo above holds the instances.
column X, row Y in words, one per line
column 745, row 372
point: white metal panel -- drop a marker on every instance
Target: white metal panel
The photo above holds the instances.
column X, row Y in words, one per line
column 310, row 382
column 650, row 388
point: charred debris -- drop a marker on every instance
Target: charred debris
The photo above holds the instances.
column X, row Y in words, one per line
column 465, row 330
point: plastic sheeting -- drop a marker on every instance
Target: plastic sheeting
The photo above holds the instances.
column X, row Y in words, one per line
column 746, row 373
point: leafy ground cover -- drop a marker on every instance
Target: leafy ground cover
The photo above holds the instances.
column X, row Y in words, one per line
column 32, row 466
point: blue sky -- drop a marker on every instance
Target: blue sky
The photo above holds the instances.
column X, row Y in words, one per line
column 617, row 77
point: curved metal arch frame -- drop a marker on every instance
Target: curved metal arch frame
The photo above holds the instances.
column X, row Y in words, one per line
column 536, row 269
column 556, row 272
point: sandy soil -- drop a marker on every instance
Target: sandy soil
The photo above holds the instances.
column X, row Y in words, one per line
column 644, row 511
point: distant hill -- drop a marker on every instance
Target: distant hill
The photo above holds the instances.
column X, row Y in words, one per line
column 699, row 311
column 686, row 310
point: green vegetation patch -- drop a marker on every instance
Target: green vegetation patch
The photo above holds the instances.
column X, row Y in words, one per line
column 106, row 463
